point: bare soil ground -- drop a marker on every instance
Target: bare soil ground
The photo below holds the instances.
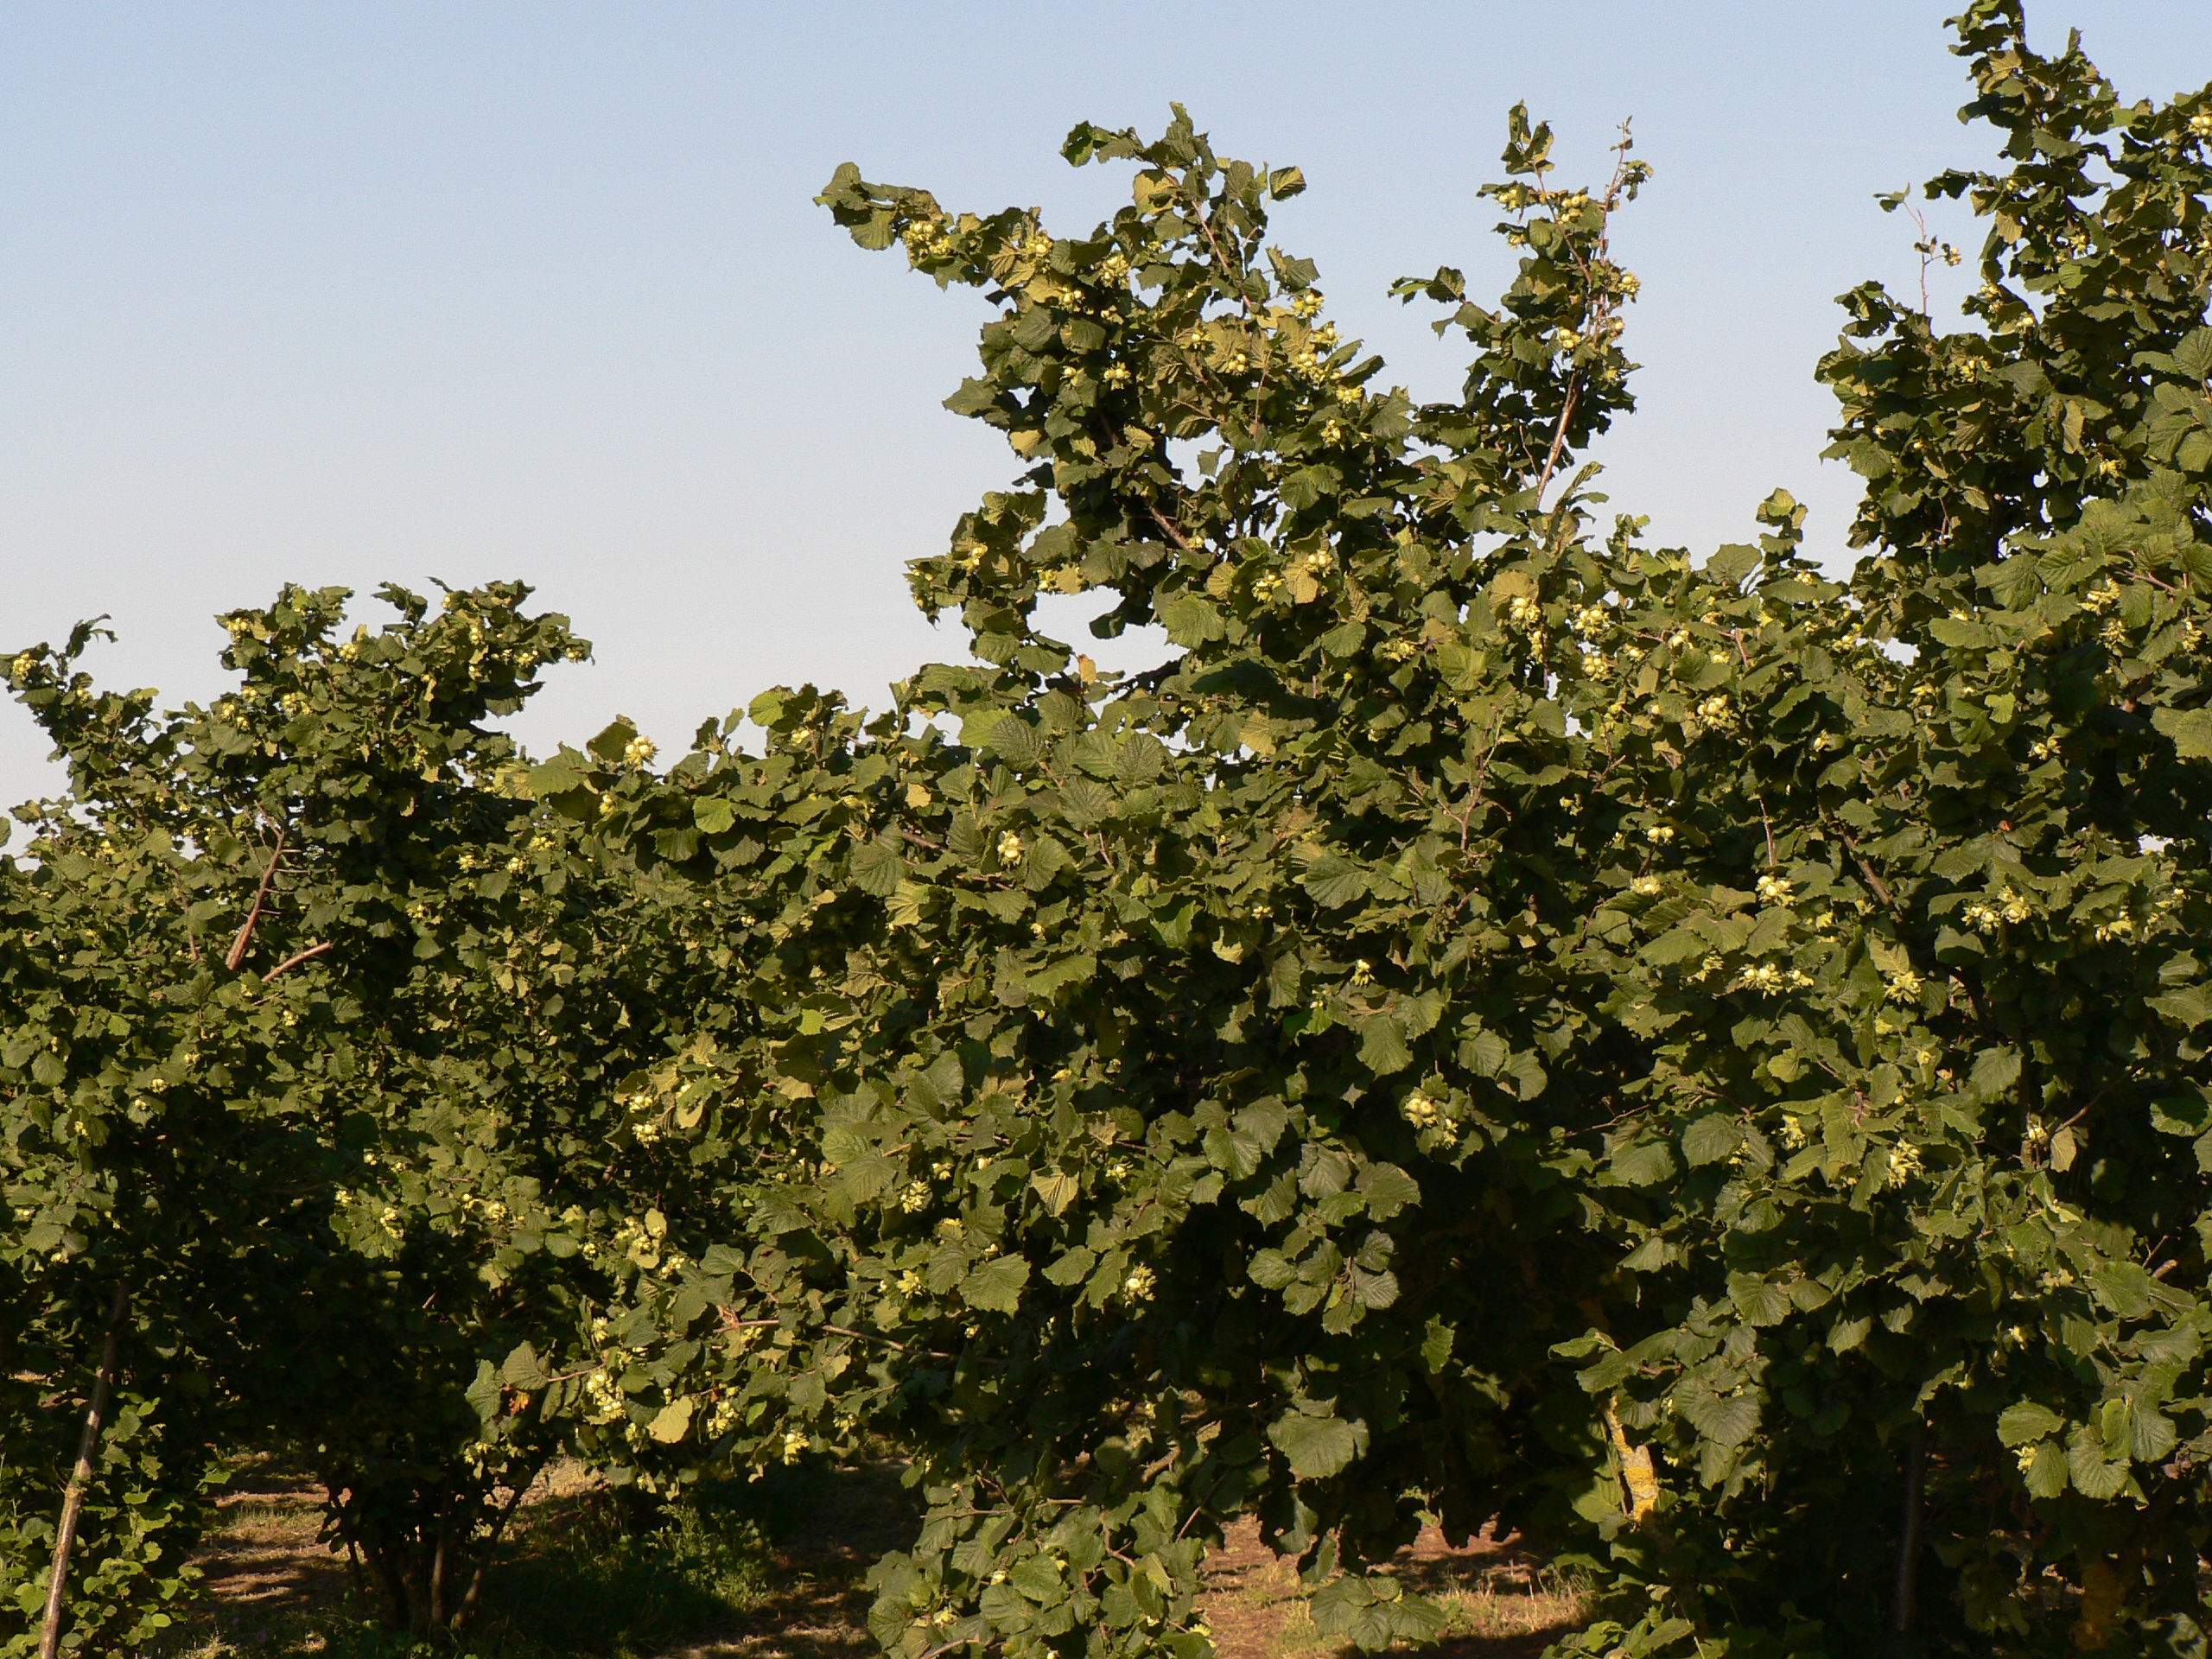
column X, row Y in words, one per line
column 1501, row 1604
column 272, row 1589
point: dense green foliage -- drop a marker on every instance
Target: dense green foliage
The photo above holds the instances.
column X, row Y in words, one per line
column 1700, row 1061
column 307, row 1026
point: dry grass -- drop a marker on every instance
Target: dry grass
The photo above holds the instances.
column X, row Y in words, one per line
column 272, row 1590
column 266, row 1573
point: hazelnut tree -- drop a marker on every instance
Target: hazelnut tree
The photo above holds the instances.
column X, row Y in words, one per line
column 1697, row 1061
column 311, row 1018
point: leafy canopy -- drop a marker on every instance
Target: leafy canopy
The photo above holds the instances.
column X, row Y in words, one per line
column 1700, row 1063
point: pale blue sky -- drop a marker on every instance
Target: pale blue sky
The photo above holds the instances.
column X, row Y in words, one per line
column 345, row 293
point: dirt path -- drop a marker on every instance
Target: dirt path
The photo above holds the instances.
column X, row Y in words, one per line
column 1500, row 1605
column 273, row 1590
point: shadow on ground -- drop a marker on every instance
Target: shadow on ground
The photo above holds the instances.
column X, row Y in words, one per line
column 765, row 1569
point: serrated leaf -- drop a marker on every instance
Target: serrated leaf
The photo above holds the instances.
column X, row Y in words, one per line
column 1382, row 1048
column 2062, row 1148
column 522, row 1369
column 1729, row 1421
column 1039, row 1579
column 2091, row 1473
column 1316, row 1447
column 1528, row 1074
column 1995, row 1071
column 1018, row 743
column 1387, row 1189
column 2188, row 1007
column 1334, row 881
column 2122, row 1287
column 1679, row 944
column 1640, row 1163
column 1056, row 1189
column 2020, row 1424
column 1759, row 1302
column 878, row 868
column 614, row 742
column 1073, row 1268
column 997, row 1285
column 2046, row 1473
column 1436, row 1345
column 1709, row 1140
column 2190, row 730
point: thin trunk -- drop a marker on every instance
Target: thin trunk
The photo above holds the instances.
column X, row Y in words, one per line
column 393, row 1583
column 438, row 1569
column 355, row 1571
column 1902, row 1608
column 418, row 1587
column 491, row 1544
column 80, row 1477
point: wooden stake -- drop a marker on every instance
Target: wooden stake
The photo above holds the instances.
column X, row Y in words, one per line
column 73, row 1500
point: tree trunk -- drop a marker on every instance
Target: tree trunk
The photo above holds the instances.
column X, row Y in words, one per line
column 1903, row 1608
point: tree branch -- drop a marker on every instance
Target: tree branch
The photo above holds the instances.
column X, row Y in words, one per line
column 296, row 959
column 260, row 893
column 1167, row 525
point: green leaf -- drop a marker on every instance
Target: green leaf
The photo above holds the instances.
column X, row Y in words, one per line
column 2151, row 1436
column 1759, row 1302
column 1709, row 1140
column 672, row 1422
column 1960, row 635
column 1192, row 619
column 1316, row 1447
column 1436, row 1345
column 1073, row 1268
column 2047, row 1472
column 878, row 868
column 997, row 1285
column 2190, row 730
column 2188, row 1007
column 1729, row 1421
column 1528, row 1074
column 2026, row 1421
column 1730, row 564
column 614, row 742
column 1382, row 1047
column 1387, row 1189
column 2124, row 1287
column 1995, row 1071
column 522, row 1367
column 1018, row 743
column 1056, row 1189
column 1640, row 1163
column 1679, row 945
column 2091, row 1473
column 1334, row 881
